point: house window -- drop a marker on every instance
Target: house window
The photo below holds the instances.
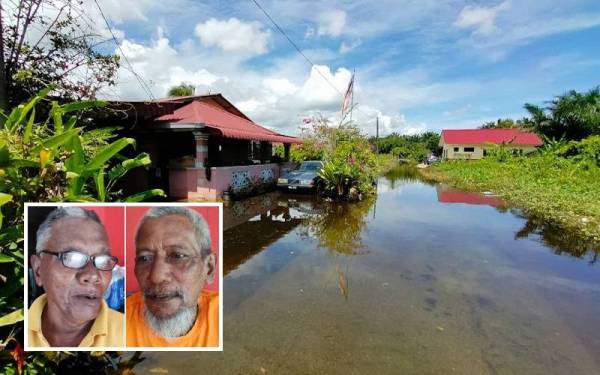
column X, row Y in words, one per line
column 469, row 149
column 455, row 149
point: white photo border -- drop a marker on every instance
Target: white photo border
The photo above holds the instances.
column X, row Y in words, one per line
column 124, row 205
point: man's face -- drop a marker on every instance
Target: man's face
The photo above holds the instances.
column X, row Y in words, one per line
column 169, row 266
column 75, row 294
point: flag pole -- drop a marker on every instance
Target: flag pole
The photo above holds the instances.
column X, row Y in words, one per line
column 352, row 102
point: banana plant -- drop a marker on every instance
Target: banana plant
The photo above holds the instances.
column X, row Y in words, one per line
column 88, row 178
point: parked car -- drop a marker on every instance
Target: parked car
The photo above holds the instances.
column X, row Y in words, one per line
column 304, row 177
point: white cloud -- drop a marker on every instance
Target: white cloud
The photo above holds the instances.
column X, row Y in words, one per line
column 332, row 22
column 310, row 32
column 234, row 35
column 367, row 116
column 318, row 90
column 248, row 105
column 122, row 10
column 160, row 66
column 281, row 96
column 482, row 19
column 347, row 47
column 280, row 86
column 518, row 32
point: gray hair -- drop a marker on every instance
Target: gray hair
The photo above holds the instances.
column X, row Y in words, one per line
column 200, row 227
column 43, row 232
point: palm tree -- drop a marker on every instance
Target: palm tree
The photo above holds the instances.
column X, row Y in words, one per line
column 183, row 89
column 572, row 116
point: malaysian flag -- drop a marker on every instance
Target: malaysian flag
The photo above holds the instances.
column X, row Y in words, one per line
column 348, row 97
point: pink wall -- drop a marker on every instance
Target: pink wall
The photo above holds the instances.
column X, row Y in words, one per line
column 182, row 181
column 134, row 214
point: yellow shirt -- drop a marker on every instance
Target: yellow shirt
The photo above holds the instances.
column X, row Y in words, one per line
column 205, row 331
column 107, row 330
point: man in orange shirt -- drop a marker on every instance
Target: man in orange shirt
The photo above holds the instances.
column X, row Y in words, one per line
column 173, row 263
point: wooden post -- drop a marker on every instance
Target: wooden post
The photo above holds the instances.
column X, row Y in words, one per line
column 286, row 151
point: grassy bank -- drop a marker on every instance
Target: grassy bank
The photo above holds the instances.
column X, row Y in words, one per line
column 386, row 162
column 552, row 188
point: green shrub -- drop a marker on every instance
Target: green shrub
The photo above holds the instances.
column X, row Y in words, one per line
column 49, row 161
column 350, row 166
column 585, row 152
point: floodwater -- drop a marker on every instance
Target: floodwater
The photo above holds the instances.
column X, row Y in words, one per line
column 422, row 280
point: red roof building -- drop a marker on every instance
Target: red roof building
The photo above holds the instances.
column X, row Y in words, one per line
column 201, row 146
column 223, row 123
column 473, row 143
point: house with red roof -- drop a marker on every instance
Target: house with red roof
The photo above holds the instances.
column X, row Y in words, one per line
column 474, row 143
column 200, row 146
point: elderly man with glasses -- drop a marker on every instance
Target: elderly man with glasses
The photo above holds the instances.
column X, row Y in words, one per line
column 73, row 264
column 173, row 263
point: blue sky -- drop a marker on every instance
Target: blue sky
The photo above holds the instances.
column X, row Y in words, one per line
column 420, row 65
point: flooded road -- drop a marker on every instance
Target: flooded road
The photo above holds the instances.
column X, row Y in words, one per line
column 422, row 280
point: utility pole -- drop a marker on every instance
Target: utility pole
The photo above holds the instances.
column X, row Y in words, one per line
column 377, row 135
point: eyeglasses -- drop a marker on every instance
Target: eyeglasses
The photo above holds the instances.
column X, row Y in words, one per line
column 76, row 260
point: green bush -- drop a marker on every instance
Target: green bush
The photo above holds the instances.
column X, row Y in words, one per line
column 350, row 166
column 585, row 152
column 49, row 161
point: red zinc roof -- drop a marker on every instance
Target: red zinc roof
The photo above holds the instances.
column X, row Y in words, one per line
column 497, row 136
column 225, row 123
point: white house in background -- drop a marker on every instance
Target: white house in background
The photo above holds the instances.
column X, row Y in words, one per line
column 472, row 143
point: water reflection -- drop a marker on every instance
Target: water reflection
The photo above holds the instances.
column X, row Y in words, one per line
column 339, row 226
column 446, row 194
column 253, row 224
column 562, row 241
column 405, row 174
column 421, row 287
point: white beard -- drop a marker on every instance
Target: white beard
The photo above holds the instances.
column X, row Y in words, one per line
column 175, row 325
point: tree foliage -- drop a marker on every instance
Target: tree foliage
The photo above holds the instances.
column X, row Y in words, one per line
column 47, row 42
column 501, row 123
column 572, row 116
column 412, row 147
column 183, row 89
column 350, row 166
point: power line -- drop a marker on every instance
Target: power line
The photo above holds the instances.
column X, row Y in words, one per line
column 302, row 53
column 296, row 46
column 143, row 84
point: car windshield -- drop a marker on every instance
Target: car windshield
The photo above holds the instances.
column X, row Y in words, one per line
column 309, row 167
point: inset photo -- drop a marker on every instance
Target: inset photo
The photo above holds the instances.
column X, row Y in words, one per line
column 174, row 274
column 75, row 276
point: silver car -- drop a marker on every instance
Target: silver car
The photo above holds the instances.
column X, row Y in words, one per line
column 302, row 178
